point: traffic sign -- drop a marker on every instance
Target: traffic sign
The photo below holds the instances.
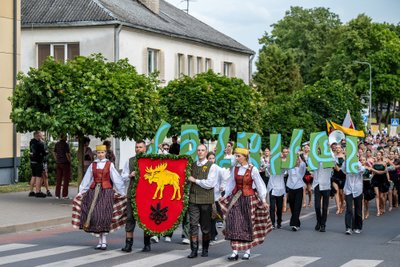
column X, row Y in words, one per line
column 395, row 122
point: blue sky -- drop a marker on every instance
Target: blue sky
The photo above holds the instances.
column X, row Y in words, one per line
column 247, row 21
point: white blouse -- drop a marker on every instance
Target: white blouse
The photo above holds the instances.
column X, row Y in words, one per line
column 117, row 180
column 258, row 183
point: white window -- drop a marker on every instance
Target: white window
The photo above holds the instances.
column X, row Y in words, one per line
column 181, row 65
column 199, row 65
column 152, row 60
column 190, row 66
column 227, row 69
column 208, row 64
column 60, row 51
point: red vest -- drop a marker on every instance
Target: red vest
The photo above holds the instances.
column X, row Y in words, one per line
column 244, row 183
column 101, row 176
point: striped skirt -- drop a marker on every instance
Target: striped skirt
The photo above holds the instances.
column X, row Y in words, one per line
column 109, row 213
column 247, row 223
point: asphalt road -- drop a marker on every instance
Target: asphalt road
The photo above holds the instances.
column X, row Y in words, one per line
column 377, row 245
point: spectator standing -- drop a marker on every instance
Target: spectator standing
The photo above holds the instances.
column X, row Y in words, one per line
column 109, row 153
column 175, row 148
column 37, row 156
column 87, row 154
column 62, row 155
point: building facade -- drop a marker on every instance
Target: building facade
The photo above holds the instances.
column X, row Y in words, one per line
column 10, row 24
column 152, row 34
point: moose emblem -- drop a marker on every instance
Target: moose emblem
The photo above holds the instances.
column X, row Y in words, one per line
column 163, row 177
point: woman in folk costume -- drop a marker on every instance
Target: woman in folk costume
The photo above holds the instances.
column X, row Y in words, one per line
column 245, row 208
column 98, row 208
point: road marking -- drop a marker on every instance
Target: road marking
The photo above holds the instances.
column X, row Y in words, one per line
column 222, row 261
column 306, row 215
column 157, row 259
column 95, row 257
column 295, row 261
column 38, row 254
column 362, row 263
column 14, row 246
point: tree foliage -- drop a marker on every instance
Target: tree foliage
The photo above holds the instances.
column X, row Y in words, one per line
column 277, row 72
column 211, row 100
column 86, row 96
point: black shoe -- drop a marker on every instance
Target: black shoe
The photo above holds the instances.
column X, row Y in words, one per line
column 279, row 226
column 322, row 229
column 98, row 247
column 204, row 253
column 194, row 246
column 40, row 195
column 317, row 227
column 146, row 249
column 233, row 258
column 48, row 193
column 103, row 246
column 31, row 194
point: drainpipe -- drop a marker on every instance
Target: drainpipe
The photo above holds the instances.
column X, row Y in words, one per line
column 116, row 144
column 15, row 169
column 251, row 67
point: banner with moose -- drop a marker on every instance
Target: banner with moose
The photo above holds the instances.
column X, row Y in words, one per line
column 160, row 192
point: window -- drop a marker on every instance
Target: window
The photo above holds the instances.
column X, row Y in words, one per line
column 227, row 69
column 208, row 64
column 152, row 60
column 190, row 66
column 181, row 65
column 199, row 67
column 60, row 51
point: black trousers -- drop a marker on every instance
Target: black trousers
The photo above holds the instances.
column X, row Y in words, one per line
column 278, row 202
column 295, row 202
column 200, row 214
column 353, row 221
column 321, row 214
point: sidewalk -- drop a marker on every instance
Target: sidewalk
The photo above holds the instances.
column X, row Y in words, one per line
column 20, row 212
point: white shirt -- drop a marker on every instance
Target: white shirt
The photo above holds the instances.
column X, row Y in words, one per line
column 322, row 177
column 117, row 180
column 295, row 179
column 223, row 176
column 258, row 183
column 354, row 181
column 212, row 177
column 276, row 183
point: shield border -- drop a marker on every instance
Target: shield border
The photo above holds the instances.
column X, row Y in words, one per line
column 185, row 189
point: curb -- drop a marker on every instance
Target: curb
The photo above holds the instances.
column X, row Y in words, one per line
column 9, row 229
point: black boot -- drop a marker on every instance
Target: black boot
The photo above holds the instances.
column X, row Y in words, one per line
column 205, row 244
column 147, row 243
column 194, row 246
column 128, row 245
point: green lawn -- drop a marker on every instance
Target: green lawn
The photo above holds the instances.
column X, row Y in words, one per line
column 21, row 187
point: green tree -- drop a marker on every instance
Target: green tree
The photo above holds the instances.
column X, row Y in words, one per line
column 376, row 43
column 277, row 72
column 211, row 100
column 86, row 96
column 308, row 33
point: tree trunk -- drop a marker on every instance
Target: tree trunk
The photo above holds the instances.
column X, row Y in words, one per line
column 80, row 155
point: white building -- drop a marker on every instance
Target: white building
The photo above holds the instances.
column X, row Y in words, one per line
column 152, row 34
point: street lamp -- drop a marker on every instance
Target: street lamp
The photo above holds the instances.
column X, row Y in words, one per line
column 370, row 90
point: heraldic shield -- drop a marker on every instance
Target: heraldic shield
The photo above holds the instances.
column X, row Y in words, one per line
column 160, row 193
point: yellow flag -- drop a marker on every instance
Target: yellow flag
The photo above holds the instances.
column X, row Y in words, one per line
column 348, row 131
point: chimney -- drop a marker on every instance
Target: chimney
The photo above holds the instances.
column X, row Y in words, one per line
column 153, row 5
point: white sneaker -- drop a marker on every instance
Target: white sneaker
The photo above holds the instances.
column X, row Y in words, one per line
column 357, row 231
column 185, row 241
column 212, row 243
column 154, row 239
column 220, row 224
column 167, row 239
column 348, row 231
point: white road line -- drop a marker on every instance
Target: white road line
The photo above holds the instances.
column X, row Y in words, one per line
column 306, row 215
column 362, row 263
column 38, row 254
column 95, row 257
column 14, row 246
column 294, row 261
column 157, row 259
column 222, row 261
